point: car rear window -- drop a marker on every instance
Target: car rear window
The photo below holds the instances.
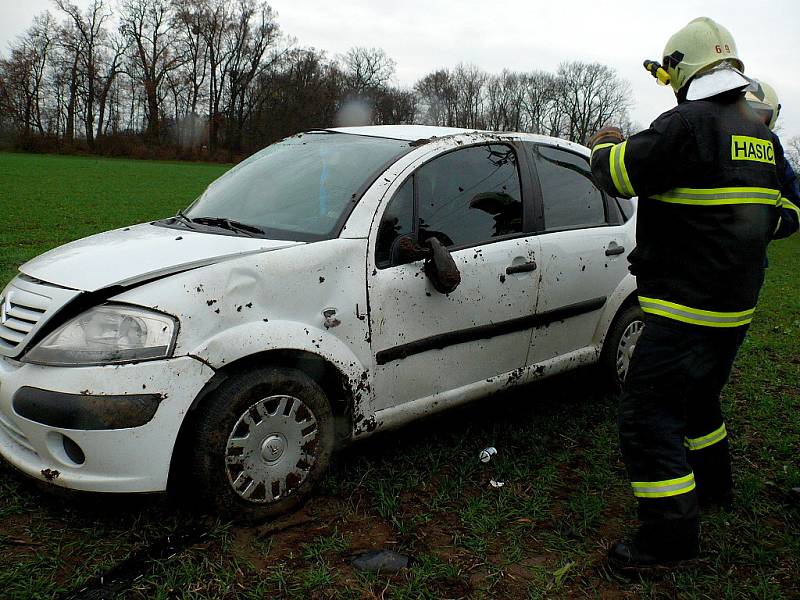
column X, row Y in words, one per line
column 571, row 199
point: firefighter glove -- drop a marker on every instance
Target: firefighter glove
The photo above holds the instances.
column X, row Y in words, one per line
column 606, row 134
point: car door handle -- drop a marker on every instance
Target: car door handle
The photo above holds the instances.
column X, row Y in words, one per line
column 614, row 249
column 523, row 268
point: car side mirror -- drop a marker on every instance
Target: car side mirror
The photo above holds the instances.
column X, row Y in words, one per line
column 405, row 249
column 440, row 267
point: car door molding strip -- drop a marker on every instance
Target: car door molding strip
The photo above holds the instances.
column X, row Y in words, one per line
column 481, row 332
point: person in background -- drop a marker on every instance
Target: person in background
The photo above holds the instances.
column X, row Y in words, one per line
column 764, row 102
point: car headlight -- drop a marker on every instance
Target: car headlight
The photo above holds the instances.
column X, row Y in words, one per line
column 107, row 334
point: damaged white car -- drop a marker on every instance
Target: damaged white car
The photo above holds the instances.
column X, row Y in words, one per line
column 336, row 284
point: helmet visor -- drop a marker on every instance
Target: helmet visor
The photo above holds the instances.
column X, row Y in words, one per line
column 765, row 114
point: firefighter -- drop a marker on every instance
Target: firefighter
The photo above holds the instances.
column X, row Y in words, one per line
column 705, row 175
column 764, row 102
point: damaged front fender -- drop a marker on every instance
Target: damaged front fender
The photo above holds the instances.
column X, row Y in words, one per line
column 260, row 339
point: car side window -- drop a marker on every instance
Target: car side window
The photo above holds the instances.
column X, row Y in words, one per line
column 397, row 221
column 469, row 196
column 626, row 207
column 571, row 199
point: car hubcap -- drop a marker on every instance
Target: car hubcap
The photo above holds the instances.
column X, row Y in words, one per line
column 271, row 449
column 627, row 344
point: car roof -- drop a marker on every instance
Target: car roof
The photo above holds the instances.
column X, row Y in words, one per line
column 403, row 132
column 423, row 132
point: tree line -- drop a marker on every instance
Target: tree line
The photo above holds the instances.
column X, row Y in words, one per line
column 220, row 79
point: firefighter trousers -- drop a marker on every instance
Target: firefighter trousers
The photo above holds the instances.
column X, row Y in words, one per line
column 672, row 434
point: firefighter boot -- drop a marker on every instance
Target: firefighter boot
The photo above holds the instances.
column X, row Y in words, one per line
column 657, row 546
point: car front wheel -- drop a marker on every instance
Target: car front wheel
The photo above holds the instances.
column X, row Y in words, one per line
column 262, row 441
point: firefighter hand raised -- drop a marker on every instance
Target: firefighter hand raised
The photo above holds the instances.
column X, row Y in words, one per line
column 606, row 135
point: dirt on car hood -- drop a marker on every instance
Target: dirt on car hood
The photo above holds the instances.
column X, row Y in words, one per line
column 137, row 253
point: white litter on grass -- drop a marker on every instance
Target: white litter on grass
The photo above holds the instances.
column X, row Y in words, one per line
column 487, row 453
column 485, row 456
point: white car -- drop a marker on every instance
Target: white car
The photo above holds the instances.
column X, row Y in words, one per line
column 334, row 285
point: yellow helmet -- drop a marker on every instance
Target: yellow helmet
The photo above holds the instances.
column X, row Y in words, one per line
column 700, row 45
column 764, row 101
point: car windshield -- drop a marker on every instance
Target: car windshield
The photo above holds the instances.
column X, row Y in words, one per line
column 301, row 188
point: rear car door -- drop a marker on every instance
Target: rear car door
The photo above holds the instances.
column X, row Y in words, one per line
column 425, row 342
column 583, row 251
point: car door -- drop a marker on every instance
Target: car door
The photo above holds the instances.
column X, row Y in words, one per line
column 583, row 251
column 426, row 342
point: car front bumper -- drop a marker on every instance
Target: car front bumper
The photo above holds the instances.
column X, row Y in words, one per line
column 130, row 459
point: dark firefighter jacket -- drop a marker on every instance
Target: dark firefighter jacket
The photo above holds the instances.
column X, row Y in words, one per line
column 790, row 203
column 706, row 174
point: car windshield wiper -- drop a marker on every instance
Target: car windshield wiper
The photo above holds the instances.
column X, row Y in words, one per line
column 181, row 216
column 230, row 224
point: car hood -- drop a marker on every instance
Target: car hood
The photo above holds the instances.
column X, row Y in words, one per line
column 134, row 254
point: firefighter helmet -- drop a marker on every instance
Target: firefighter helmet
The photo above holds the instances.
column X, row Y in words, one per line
column 700, row 45
column 764, row 101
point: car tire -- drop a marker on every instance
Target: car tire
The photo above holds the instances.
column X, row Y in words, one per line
column 261, row 443
column 619, row 345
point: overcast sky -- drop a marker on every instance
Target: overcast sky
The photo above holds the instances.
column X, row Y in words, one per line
column 422, row 35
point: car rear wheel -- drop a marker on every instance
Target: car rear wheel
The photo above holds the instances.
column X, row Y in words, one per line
column 262, row 442
column 620, row 344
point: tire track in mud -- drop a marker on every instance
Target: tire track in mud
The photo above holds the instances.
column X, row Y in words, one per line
column 122, row 576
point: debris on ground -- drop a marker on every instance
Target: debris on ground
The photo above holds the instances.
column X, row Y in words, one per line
column 486, row 455
column 383, row 561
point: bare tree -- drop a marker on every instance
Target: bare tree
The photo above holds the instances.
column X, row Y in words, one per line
column 792, row 153
column 591, row 95
column 505, row 101
column 152, row 34
column 89, row 33
column 302, row 91
column 437, row 97
column 215, row 27
column 253, row 32
column 18, row 89
column 110, row 66
column 469, row 82
column 190, row 17
column 70, row 44
column 539, row 102
column 184, row 71
column 23, row 75
column 395, row 106
column 367, row 69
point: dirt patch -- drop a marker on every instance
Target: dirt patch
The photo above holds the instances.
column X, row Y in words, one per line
column 50, row 474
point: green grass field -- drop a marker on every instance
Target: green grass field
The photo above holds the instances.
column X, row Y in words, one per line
column 50, row 200
column 420, row 490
